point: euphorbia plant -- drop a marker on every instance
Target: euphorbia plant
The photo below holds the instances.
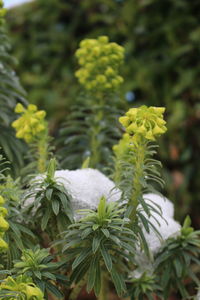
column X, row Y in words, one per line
column 32, row 127
column 90, row 129
column 125, row 235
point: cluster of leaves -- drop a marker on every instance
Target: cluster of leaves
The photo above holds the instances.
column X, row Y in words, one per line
column 144, row 286
column 98, row 243
column 22, row 288
column 18, row 236
column 175, row 262
column 90, row 130
column 102, row 246
column 162, row 68
column 50, row 200
column 37, row 263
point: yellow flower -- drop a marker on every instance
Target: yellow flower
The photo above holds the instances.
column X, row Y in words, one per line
column 3, row 211
column 31, row 125
column 32, row 108
column 33, row 291
column 100, row 62
column 3, row 245
column 3, row 224
column 19, row 108
column 2, row 200
column 144, row 122
column 22, row 284
column 123, row 147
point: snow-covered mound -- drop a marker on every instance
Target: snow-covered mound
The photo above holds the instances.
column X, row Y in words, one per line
column 166, row 205
column 165, row 223
column 87, row 186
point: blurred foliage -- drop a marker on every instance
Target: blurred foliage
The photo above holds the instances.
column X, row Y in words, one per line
column 161, row 39
column 11, row 92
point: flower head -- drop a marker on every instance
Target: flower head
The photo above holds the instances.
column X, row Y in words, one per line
column 144, row 122
column 2, row 11
column 3, row 224
column 122, row 147
column 2, row 200
column 31, row 125
column 100, row 62
column 3, row 245
column 24, row 285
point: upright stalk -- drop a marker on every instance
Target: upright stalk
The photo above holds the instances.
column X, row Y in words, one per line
column 104, row 288
column 137, row 178
column 42, row 151
column 95, row 144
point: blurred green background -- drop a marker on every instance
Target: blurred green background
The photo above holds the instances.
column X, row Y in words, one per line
column 162, row 42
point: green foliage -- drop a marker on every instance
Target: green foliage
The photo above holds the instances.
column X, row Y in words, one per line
column 175, row 261
column 18, row 235
column 161, row 40
column 11, row 92
column 100, row 242
column 38, row 265
column 99, row 62
column 137, row 173
column 21, row 288
column 144, row 286
column 90, row 130
column 50, row 203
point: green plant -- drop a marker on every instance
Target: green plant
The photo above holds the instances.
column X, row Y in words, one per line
column 174, row 262
column 161, row 69
column 90, row 130
column 144, row 286
column 38, row 264
column 98, row 245
column 32, row 127
column 17, row 235
column 21, row 288
column 11, row 92
column 103, row 246
column 50, row 203
column 3, row 225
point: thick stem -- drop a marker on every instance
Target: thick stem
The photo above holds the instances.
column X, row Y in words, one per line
column 95, row 144
column 104, row 288
column 77, row 289
column 42, row 149
column 138, row 175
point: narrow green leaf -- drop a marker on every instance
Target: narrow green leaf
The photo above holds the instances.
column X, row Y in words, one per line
column 55, row 206
column 106, row 257
column 45, row 218
column 83, row 255
column 92, row 274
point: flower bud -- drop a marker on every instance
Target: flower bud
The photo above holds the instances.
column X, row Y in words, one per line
column 3, row 224
column 2, row 200
column 3, row 245
column 19, row 108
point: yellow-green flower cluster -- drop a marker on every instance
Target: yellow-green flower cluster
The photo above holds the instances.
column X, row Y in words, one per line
column 2, row 11
column 31, row 125
column 3, row 225
column 100, row 61
column 23, row 285
column 144, row 122
column 123, row 147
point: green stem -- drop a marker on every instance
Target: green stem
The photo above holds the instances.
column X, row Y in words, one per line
column 95, row 144
column 140, row 151
column 77, row 289
column 104, row 288
column 42, row 149
column 118, row 170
